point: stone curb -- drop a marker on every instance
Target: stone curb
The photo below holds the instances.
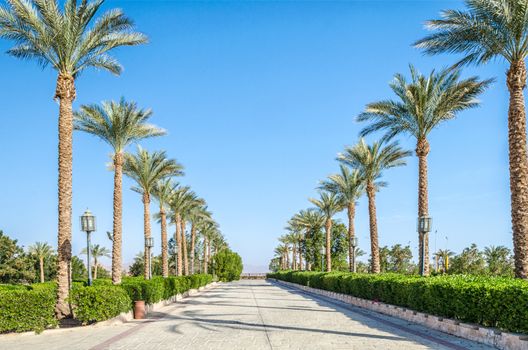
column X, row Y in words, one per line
column 125, row 317
column 477, row 333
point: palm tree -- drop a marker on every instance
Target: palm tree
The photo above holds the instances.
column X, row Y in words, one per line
column 97, row 252
column 281, row 251
column 118, row 124
column 444, row 255
column 162, row 191
column 198, row 216
column 371, row 161
column 296, row 238
column 42, row 251
column 349, row 186
column 70, row 40
column 486, row 30
column 422, row 104
column 498, row 259
column 311, row 220
column 286, row 243
column 192, row 202
column 329, row 204
column 147, row 169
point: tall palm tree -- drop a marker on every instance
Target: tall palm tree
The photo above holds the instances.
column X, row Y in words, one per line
column 192, row 202
column 421, row 105
column 198, row 216
column 147, row 169
column 118, row 124
column 97, row 252
column 69, row 40
column 371, row 161
column 297, row 237
column 329, row 204
column 281, row 252
column 349, row 186
column 42, row 251
column 162, row 191
column 486, row 30
column 286, row 243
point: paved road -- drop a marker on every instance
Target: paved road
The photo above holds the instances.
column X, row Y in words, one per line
column 249, row 315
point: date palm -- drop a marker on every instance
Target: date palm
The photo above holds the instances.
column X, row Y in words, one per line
column 329, row 204
column 70, row 40
column 146, row 169
column 444, row 255
column 349, row 186
column 371, row 161
column 162, row 191
column 295, row 231
column 281, row 252
column 198, row 216
column 486, row 30
column 422, row 105
column 192, row 203
column 42, row 251
column 97, row 252
column 311, row 220
column 118, row 124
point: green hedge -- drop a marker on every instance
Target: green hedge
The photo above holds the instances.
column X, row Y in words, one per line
column 488, row 301
column 99, row 303
column 27, row 310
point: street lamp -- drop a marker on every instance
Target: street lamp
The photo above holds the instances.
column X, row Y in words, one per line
column 88, row 226
column 354, row 243
column 425, row 224
column 322, row 251
column 149, row 243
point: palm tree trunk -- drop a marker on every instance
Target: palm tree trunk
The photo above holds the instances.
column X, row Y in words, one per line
column 300, row 256
column 205, row 255
column 287, row 257
column 351, row 213
column 208, row 251
column 422, row 150
column 164, row 244
column 65, row 92
column 184, row 244
column 41, row 267
column 179, row 243
column 146, row 223
column 95, row 269
column 118, row 219
column 374, row 245
column 516, row 81
column 193, row 241
column 294, row 256
column 328, row 227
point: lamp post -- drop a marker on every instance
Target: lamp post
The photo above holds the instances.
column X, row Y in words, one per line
column 425, row 224
column 88, row 226
column 322, row 251
column 149, row 243
column 354, row 243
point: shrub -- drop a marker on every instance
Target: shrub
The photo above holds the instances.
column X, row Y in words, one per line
column 27, row 310
column 99, row 303
column 150, row 291
column 199, row 280
column 488, row 301
column 228, row 265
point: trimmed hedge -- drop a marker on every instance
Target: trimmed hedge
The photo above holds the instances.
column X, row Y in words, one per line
column 488, row 301
column 99, row 303
column 27, row 310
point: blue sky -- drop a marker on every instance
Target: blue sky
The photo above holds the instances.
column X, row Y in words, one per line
column 258, row 98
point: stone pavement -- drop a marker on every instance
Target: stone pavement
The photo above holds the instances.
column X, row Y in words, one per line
column 249, row 314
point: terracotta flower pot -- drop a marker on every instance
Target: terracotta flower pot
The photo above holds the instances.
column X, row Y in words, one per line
column 139, row 309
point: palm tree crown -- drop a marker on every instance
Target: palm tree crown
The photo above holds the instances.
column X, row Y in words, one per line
column 348, row 184
column 41, row 250
column 489, row 28
column 372, row 160
column 329, row 203
column 117, row 123
column 423, row 103
column 64, row 39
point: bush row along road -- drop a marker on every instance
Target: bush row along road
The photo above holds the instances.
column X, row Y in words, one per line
column 249, row 314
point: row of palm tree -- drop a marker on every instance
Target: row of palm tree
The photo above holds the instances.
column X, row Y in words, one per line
column 487, row 29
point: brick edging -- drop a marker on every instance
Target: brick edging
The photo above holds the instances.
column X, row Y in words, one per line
column 477, row 333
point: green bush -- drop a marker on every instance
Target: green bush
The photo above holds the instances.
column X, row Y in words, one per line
column 27, row 310
column 99, row 303
column 488, row 301
column 150, row 291
column 227, row 265
column 199, row 280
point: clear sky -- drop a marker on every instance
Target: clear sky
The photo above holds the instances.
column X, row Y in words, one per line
column 258, row 98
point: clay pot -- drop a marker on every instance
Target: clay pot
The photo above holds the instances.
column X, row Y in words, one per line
column 139, row 310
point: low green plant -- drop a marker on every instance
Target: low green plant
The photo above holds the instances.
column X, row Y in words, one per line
column 98, row 303
column 488, row 301
column 27, row 310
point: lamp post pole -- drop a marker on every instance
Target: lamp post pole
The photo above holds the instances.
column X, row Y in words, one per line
column 88, row 226
column 149, row 243
column 322, row 250
column 354, row 245
column 424, row 226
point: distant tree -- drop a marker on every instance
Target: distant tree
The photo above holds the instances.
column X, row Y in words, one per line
column 41, row 251
column 400, row 259
column 444, row 257
column 470, row 261
column 499, row 260
column 15, row 267
column 138, row 265
column 227, row 265
column 274, row 264
column 339, row 247
column 97, row 252
column 384, row 255
column 78, row 269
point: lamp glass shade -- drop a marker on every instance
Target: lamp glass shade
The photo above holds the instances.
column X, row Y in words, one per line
column 425, row 224
column 88, row 222
column 149, row 242
column 354, row 242
column 322, row 250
